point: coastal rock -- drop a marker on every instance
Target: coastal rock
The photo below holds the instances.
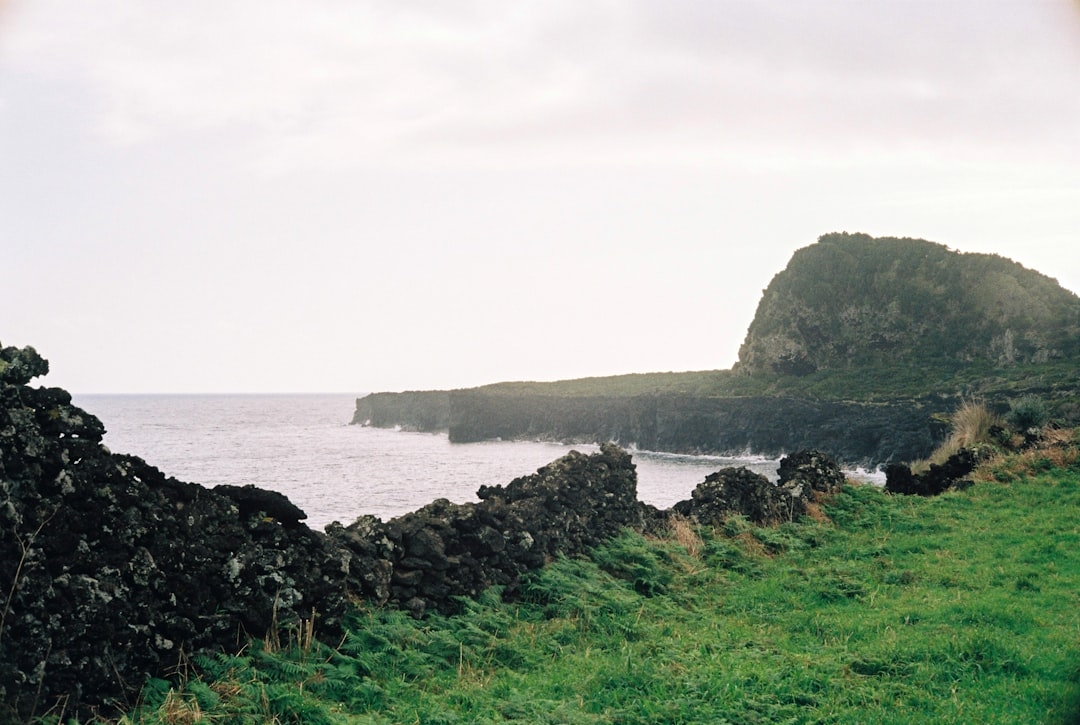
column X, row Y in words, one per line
column 950, row 475
column 429, row 558
column 805, row 478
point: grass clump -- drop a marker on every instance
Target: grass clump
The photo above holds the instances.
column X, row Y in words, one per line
column 1022, row 443
column 972, row 426
column 954, row 609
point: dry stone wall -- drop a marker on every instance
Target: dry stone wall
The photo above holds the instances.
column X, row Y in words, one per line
column 110, row 570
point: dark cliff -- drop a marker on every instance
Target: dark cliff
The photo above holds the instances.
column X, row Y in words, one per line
column 858, row 433
column 419, row 411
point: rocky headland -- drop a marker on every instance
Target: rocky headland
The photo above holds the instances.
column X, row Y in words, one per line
column 860, row 347
column 855, row 432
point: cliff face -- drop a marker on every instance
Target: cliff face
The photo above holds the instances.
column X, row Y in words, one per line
column 851, row 299
column 419, row 411
column 856, row 433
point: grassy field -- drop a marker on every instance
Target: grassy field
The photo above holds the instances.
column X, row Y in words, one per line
column 1055, row 382
column 963, row 608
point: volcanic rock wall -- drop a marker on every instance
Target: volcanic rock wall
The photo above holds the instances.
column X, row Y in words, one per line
column 428, row 558
column 110, row 570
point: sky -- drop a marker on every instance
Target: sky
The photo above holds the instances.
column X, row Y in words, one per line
column 352, row 196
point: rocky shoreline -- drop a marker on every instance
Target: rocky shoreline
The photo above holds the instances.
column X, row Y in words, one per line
column 112, row 572
column 857, row 434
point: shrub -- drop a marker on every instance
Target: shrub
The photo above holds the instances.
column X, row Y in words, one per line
column 1028, row 414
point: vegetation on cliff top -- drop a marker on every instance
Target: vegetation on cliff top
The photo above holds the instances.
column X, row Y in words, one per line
column 858, row 318
column 852, row 300
column 887, row 609
column 881, row 381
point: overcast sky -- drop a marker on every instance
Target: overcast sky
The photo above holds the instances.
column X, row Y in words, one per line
column 242, row 196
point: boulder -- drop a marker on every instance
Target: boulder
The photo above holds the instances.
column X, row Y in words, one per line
column 950, row 475
column 805, row 478
column 817, row 471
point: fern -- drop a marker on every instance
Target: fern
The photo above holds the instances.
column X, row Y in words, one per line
column 154, row 693
column 204, row 695
column 288, row 704
column 629, row 557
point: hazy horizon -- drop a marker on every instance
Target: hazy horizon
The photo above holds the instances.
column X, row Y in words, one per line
column 264, row 197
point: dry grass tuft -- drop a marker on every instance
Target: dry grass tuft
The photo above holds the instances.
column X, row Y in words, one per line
column 1060, row 437
column 814, row 512
column 180, row 710
column 971, row 425
column 684, row 534
column 1058, row 448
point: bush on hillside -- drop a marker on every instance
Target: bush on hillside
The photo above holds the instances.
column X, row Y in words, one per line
column 1028, row 414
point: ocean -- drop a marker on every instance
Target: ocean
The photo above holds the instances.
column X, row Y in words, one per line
column 303, row 446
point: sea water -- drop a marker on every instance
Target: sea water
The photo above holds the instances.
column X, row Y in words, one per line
column 303, row 446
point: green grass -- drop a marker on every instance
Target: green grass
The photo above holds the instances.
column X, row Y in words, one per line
column 963, row 608
column 707, row 382
column 1055, row 383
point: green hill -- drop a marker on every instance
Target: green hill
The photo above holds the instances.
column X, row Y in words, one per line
column 855, row 317
column 852, row 301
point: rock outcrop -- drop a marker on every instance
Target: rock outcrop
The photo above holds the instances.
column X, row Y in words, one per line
column 950, row 475
column 852, row 301
column 805, row 478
